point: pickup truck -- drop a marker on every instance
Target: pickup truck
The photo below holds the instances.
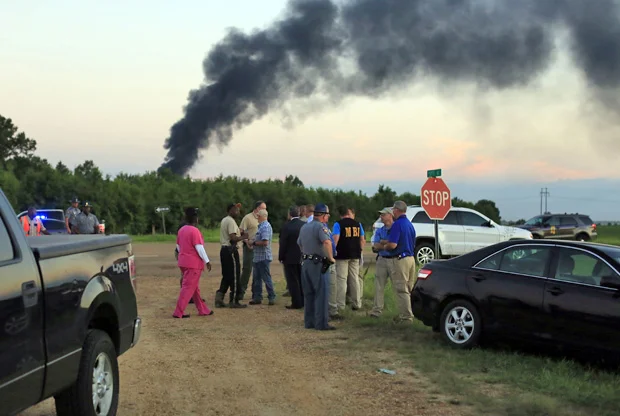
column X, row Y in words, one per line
column 462, row 231
column 68, row 310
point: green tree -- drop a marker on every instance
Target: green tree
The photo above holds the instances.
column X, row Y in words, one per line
column 12, row 143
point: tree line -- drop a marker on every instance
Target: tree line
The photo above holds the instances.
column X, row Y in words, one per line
column 127, row 202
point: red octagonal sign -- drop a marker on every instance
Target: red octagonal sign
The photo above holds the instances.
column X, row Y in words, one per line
column 436, row 198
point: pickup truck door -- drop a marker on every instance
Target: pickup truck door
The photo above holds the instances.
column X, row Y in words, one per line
column 22, row 353
column 477, row 234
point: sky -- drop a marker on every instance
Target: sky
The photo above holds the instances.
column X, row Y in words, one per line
column 106, row 81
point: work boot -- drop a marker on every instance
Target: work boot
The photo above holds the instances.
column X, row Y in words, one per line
column 237, row 305
column 219, row 300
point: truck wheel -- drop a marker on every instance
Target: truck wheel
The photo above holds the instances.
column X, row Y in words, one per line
column 582, row 237
column 425, row 252
column 95, row 393
column 460, row 324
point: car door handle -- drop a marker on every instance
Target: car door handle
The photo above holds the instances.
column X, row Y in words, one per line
column 478, row 277
column 29, row 293
column 469, row 229
column 555, row 291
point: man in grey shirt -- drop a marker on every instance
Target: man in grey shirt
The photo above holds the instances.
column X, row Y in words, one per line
column 70, row 214
column 86, row 222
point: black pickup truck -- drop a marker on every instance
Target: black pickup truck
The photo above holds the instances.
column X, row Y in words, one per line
column 67, row 310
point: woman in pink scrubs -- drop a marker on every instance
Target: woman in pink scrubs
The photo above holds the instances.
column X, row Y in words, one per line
column 192, row 261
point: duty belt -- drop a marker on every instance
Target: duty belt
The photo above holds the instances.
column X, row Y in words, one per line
column 314, row 257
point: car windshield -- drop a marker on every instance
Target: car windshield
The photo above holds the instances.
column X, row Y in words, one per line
column 613, row 252
column 535, row 221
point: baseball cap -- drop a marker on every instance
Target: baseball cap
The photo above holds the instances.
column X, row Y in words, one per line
column 400, row 205
column 321, row 208
column 386, row 211
column 191, row 212
column 238, row 205
column 263, row 213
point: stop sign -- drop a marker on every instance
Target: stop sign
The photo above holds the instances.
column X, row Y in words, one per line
column 436, row 198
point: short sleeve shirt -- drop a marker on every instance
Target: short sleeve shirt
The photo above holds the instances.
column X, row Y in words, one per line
column 86, row 223
column 71, row 213
column 264, row 233
column 311, row 238
column 403, row 234
column 187, row 239
column 249, row 223
column 227, row 227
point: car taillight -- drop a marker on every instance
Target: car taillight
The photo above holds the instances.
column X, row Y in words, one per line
column 424, row 273
column 594, row 227
column 132, row 272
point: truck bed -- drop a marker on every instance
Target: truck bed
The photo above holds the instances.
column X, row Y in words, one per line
column 50, row 246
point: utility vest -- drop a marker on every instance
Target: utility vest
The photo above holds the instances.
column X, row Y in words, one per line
column 349, row 240
column 26, row 225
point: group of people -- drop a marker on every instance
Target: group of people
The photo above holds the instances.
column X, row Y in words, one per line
column 77, row 221
column 321, row 266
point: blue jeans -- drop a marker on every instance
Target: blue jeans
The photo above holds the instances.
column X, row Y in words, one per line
column 261, row 274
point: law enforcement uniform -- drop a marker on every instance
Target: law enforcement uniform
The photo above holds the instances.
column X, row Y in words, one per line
column 86, row 223
column 314, row 280
column 71, row 213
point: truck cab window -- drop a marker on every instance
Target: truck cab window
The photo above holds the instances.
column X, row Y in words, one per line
column 6, row 246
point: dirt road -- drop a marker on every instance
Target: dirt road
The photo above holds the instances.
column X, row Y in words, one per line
column 254, row 361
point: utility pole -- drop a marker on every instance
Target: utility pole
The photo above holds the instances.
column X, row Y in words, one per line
column 543, row 192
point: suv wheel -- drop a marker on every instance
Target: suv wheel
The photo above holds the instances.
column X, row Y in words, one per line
column 424, row 253
column 95, row 393
column 582, row 237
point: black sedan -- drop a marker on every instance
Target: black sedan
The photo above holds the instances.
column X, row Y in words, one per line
column 562, row 292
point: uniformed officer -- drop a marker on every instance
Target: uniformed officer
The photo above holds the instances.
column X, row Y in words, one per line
column 86, row 222
column 317, row 254
column 71, row 213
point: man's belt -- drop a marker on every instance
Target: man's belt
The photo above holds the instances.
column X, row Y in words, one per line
column 314, row 257
column 397, row 256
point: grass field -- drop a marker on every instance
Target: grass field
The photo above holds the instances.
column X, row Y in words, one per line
column 608, row 234
column 493, row 380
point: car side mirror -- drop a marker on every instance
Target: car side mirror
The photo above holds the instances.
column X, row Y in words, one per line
column 489, row 224
column 612, row 282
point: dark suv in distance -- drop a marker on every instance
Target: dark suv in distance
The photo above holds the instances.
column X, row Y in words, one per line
column 562, row 226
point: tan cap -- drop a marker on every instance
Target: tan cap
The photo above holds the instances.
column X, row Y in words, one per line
column 386, row 211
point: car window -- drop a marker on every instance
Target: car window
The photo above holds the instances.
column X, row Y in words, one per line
column 472, row 220
column 536, row 221
column 552, row 221
column 520, row 260
column 586, row 220
column 6, row 246
column 581, row 267
column 568, row 221
column 422, row 218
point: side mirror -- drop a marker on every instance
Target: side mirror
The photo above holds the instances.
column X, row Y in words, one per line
column 610, row 281
column 489, row 224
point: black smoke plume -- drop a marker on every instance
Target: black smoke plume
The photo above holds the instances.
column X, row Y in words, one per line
column 373, row 47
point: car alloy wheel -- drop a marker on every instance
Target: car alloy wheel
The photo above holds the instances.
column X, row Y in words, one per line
column 425, row 254
column 459, row 325
column 103, row 384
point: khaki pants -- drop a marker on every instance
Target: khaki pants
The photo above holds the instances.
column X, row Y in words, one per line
column 384, row 271
column 348, row 275
column 403, row 279
column 333, row 302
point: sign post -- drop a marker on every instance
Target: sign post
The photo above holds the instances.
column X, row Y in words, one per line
column 163, row 211
column 436, row 201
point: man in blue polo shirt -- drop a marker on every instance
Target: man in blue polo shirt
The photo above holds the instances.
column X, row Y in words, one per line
column 401, row 242
column 383, row 269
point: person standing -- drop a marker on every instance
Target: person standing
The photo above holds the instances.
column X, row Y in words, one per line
column 86, row 222
column 383, row 266
column 230, row 235
column 290, row 256
column 32, row 225
column 72, row 212
column 350, row 241
column 192, row 261
column 262, row 260
column 310, row 212
column 249, row 224
column 176, row 254
column 317, row 252
column 401, row 242
column 302, row 213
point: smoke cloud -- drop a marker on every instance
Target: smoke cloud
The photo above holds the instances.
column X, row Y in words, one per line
column 374, row 47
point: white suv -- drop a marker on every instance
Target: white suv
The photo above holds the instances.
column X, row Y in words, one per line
column 462, row 231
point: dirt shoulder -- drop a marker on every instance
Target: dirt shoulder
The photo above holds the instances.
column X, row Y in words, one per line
column 254, row 361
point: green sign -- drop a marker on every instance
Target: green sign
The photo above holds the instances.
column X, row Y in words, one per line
column 433, row 173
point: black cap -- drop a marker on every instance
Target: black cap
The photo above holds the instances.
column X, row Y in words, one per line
column 191, row 212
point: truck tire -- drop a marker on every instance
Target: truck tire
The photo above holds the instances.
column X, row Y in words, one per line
column 95, row 393
column 424, row 252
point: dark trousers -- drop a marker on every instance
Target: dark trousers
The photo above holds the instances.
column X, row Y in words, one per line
column 292, row 273
column 316, row 295
column 231, row 273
